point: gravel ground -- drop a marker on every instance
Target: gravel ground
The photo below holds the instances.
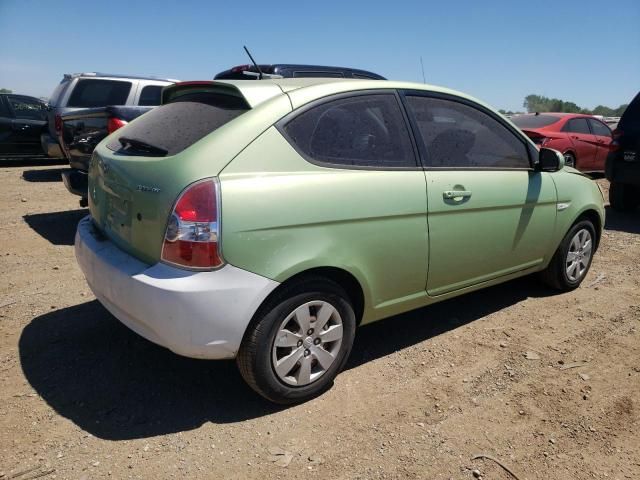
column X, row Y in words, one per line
column 547, row 384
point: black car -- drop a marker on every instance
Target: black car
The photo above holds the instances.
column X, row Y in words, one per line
column 286, row 70
column 623, row 162
column 22, row 120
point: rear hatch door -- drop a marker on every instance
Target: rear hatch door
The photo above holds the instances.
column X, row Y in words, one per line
column 137, row 173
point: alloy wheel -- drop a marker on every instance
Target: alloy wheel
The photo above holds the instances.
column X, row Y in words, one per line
column 307, row 343
column 579, row 255
column 569, row 160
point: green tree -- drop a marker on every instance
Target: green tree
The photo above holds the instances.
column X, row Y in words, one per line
column 5, row 90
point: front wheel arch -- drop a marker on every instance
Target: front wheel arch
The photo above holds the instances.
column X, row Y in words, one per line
column 594, row 218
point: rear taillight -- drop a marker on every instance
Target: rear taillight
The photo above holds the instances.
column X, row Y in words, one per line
column 539, row 139
column 114, row 124
column 58, row 123
column 191, row 239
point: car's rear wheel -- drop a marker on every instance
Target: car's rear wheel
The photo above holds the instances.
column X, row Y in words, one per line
column 623, row 197
column 572, row 259
column 570, row 159
column 298, row 342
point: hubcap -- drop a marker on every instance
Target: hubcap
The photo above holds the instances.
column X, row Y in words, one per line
column 307, row 343
column 569, row 160
column 579, row 255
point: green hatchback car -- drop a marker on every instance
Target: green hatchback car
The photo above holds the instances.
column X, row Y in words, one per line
column 264, row 221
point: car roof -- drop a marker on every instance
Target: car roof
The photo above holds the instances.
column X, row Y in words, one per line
column 274, row 68
column 308, row 89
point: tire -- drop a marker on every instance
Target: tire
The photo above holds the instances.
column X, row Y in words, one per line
column 570, row 159
column 561, row 273
column 623, row 197
column 305, row 364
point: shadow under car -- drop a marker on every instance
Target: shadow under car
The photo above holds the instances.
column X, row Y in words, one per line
column 116, row 385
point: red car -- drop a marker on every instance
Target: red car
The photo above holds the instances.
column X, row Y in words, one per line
column 583, row 140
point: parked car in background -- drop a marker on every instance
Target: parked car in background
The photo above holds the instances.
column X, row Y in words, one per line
column 81, row 100
column 583, row 140
column 286, row 70
column 623, row 163
column 82, row 130
column 90, row 90
column 22, row 120
column 266, row 220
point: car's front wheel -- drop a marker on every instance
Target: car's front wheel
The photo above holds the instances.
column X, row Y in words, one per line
column 572, row 259
column 298, row 342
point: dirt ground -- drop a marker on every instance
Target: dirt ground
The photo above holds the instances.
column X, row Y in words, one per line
column 547, row 384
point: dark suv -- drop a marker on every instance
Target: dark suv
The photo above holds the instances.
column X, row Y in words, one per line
column 623, row 162
column 285, row 70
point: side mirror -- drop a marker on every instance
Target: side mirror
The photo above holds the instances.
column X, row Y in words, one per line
column 549, row 160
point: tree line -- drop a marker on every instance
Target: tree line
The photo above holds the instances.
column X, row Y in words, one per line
column 539, row 103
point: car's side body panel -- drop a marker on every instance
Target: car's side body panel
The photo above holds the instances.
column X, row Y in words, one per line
column 282, row 215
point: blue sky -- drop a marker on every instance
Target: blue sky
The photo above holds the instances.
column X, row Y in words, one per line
column 583, row 51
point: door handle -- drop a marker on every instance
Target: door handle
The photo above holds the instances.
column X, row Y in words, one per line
column 451, row 194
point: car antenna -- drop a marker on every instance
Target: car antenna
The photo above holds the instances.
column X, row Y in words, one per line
column 422, row 65
column 260, row 75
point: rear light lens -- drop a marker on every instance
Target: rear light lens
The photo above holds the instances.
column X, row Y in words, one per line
column 539, row 140
column 114, row 124
column 192, row 236
column 58, row 123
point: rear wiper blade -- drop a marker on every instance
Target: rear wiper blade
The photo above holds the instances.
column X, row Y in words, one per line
column 142, row 147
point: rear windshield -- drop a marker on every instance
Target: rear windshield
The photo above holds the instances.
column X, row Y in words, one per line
column 534, row 121
column 99, row 93
column 170, row 128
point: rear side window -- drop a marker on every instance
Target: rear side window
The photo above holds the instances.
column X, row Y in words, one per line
column 99, row 93
column 365, row 130
column 170, row 128
column 457, row 135
column 599, row 128
column 534, row 121
column 27, row 108
column 150, row 95
column 577, row 125
column 56, row 96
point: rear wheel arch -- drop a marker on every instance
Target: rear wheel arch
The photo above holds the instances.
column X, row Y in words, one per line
column 346, row 280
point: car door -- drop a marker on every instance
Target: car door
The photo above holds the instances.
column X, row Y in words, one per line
column 29, row 119
column 489, row 213
column 584, row 143
column 603, row 138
